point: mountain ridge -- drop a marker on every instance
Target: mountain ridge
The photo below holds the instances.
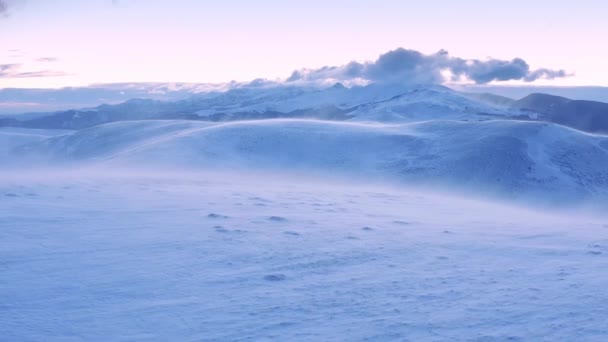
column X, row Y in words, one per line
column 588, row 116
column 393, row 102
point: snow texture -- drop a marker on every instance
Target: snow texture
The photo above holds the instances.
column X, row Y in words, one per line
column 223, row 258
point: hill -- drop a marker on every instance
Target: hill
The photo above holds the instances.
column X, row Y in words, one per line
column 513, row 159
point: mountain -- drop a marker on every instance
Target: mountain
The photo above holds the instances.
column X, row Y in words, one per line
column 373, row 102
column 590, row 93
column 588, row 116
column 135, row 109
column 389, row 103
column 430, row 103
column 18, row 100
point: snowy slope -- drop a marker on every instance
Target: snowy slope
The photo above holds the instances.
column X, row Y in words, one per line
column 421, row 104
column 12, row 137
column 200, row 257
column 516, row 159
column 369, row 103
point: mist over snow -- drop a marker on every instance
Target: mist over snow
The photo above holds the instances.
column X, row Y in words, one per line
column 524, row 161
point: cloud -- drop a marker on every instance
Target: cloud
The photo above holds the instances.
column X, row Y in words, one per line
column 122, row 3
column 3, row 9
column 41, row 73
column 410, row 66
column 13, row 71
column 6, row 69
column 8, row 7
column 47, row 59
column 546, row 74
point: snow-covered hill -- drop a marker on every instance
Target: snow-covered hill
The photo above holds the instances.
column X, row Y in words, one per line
column 428, row 135
column 12, row 137
column 516, row 159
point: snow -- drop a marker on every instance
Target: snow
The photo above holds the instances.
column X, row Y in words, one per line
column 134, row 255
column 368, row 103
column 12, row 137
column 519, row 160
column 428, row 216
column 423, row 104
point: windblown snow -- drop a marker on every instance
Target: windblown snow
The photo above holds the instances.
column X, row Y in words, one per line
column 408, row 216
column 502, row 158
column 229, row 257
column 11, row 138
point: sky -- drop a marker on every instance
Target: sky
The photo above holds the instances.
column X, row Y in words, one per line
column 63, row 43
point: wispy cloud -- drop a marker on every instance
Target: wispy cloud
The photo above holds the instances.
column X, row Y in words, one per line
column 6, row 69
column 122, row 3
column 47, row 59
column 410, row 66
column 3, row 9
column 14, row 71
column 19, row 104
column 41, row 73
column 8, row 7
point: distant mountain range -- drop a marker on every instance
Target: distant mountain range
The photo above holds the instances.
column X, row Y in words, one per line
column 16, row 101
column 588, row 116
column 373, row 102
column 365, row 103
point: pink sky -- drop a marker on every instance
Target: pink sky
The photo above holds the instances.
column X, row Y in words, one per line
column 101, row 41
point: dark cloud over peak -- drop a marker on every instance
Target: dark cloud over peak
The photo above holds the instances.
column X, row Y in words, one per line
column 546, row 74
column 410, row 66
column 495, row 70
